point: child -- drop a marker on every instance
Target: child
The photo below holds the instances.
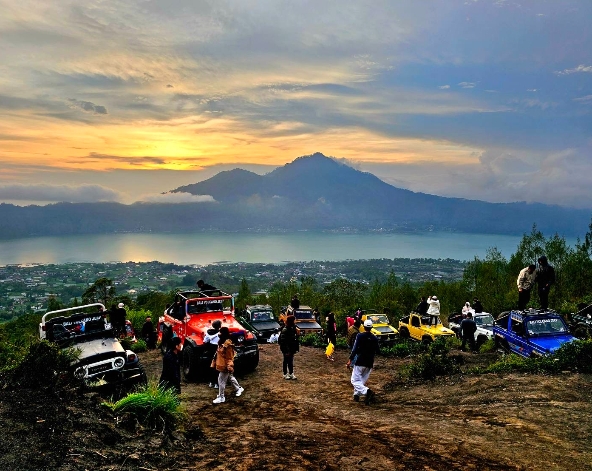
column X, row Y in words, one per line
column 224, row 363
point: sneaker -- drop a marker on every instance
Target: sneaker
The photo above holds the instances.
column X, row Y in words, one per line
column 287, row 376
column 239, row 391
column 219, row 400
column 356, row 398
column 293, row 376
column 369, row 397
column 211, row 385
column 215, row 385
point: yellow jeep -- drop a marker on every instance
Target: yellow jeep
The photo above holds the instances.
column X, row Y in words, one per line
column 418, row 327
column 381, row 327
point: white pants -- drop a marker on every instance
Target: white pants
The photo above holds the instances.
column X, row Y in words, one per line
column 359, row 377
column 223, row 378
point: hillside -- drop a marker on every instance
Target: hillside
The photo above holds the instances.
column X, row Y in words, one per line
column 311, row 193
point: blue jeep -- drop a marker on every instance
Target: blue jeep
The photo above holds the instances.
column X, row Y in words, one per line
column 531, row 333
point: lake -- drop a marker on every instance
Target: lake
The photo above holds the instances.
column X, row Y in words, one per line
column 207, row 248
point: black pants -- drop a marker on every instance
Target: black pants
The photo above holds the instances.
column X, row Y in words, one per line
column 544, row 297
column 471, row 340
column 523, row 299
column 288, row 366
column 332, row 337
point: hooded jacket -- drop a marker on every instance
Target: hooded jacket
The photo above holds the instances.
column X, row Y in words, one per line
column 225, row 356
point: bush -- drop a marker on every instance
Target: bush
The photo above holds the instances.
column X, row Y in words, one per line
column 488, row 346
column 403, row 349
column 435, row 362
column 45, row 365
column 313, row 340
column 137, row 317
column 138, row 347
column 152, row 406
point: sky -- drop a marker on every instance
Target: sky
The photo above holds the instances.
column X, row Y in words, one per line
column 123, row 100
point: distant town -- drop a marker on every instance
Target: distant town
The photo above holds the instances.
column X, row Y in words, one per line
column 28, row 288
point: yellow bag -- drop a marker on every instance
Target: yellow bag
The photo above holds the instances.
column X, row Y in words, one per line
column 330, row 349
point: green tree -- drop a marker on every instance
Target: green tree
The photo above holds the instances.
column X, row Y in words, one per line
column 244, row 296
column 101, row 291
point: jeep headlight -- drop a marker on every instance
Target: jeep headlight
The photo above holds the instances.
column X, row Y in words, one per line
column 79, row 372
column 119, row 362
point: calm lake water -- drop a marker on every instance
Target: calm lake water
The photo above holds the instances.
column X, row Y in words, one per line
column 206, row 248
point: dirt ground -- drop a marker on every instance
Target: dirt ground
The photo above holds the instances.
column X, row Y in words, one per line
column 490, row 422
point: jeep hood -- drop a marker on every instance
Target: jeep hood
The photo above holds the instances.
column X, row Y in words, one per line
column 307, row 325
column 384, row 329
column 100, row 347
column 552, row 343
column 265, row 325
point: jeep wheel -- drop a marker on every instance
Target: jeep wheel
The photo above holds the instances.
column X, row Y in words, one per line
column 426, row 340
column 404, row 333
column 189, row 363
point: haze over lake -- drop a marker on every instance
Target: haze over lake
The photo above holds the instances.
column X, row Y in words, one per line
column 207, row 248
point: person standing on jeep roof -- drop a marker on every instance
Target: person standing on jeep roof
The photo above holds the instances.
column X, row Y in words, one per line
column 422, row 307
column 362, row 357
column 224, row 363
column 545, row 277
column 170, row 377
column 207, row 289
column 477, row 306
column 117, row 318
column 295, row 302
column 525, row 283
column 434, row 310
column 289, row 345
column 211, row 342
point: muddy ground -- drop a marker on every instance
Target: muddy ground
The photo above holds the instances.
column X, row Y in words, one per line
column 490, row 422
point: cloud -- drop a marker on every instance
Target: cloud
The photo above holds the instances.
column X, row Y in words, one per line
column 444, row 87
column 176, row 198
column 86, row 193
column 584, row 99
column 467, row 84
column 579, row 69
column 87, row 106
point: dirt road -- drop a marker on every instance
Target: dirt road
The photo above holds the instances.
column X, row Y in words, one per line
column 491, row 422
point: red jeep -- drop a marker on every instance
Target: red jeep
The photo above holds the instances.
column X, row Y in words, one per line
column 190, row 317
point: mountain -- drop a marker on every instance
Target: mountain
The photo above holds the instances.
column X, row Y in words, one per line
column 311, row 193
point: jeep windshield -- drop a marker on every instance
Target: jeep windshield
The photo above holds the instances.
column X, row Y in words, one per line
column 266, row 315
column 486, row 320
column 547, row 326
column 77, row 328
column 303, row 314
column 378, row 318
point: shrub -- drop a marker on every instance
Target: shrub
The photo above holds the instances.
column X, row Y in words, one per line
column 435, row 362
column 152, row 406
column 137, row 317
column 488, row 346
column 403, row 349
column 45, row 365
column 139, row 346
column 126, row 343
column 313, row 340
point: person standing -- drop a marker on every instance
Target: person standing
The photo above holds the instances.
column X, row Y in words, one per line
column 468, row 327
column 352, row 332
column 148, row 333
column 477, row 306
column 422, row 307
column 525, row 283
column 170, row 377
column 545, row 278
column 224, row 362
column 434, row 310
column 331, row 329
column 117, row 319
column 362, row 357
column 295, row 302
column 289, row 345
column 211, row 343
column 205, row 288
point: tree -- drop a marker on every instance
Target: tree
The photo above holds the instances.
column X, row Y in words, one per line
column 101, row 291
column 244, row 296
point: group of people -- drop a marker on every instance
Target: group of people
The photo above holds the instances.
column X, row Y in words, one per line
column 543, row 276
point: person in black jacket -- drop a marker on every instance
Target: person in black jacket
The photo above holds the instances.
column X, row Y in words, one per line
column 206, row 288
column 362, row 357
column 477, row 306
column 148, row 333
column 289, row 345
column 331, row 329
column 468, row 327
column 422, row 307
column 171, row 366
column 545, row 278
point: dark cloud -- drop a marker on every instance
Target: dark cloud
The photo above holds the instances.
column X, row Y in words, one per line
column 87, row 106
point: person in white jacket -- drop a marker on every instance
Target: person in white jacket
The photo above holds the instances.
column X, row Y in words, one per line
column 434, row 310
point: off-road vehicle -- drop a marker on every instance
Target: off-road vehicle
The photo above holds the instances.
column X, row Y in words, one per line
column 260, row 320
column 102, row 360
column 381, row 327
column 484, row 322
column 190, row 318
column 305, row 320
column 418, row 327
column 580, row 323
column 531, row 333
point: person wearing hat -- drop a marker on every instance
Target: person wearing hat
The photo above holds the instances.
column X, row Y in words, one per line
column 545, row 277
column 170, row 377
column 362, row 359
column 224, row 363
column 117, row 318
column 434, row 310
